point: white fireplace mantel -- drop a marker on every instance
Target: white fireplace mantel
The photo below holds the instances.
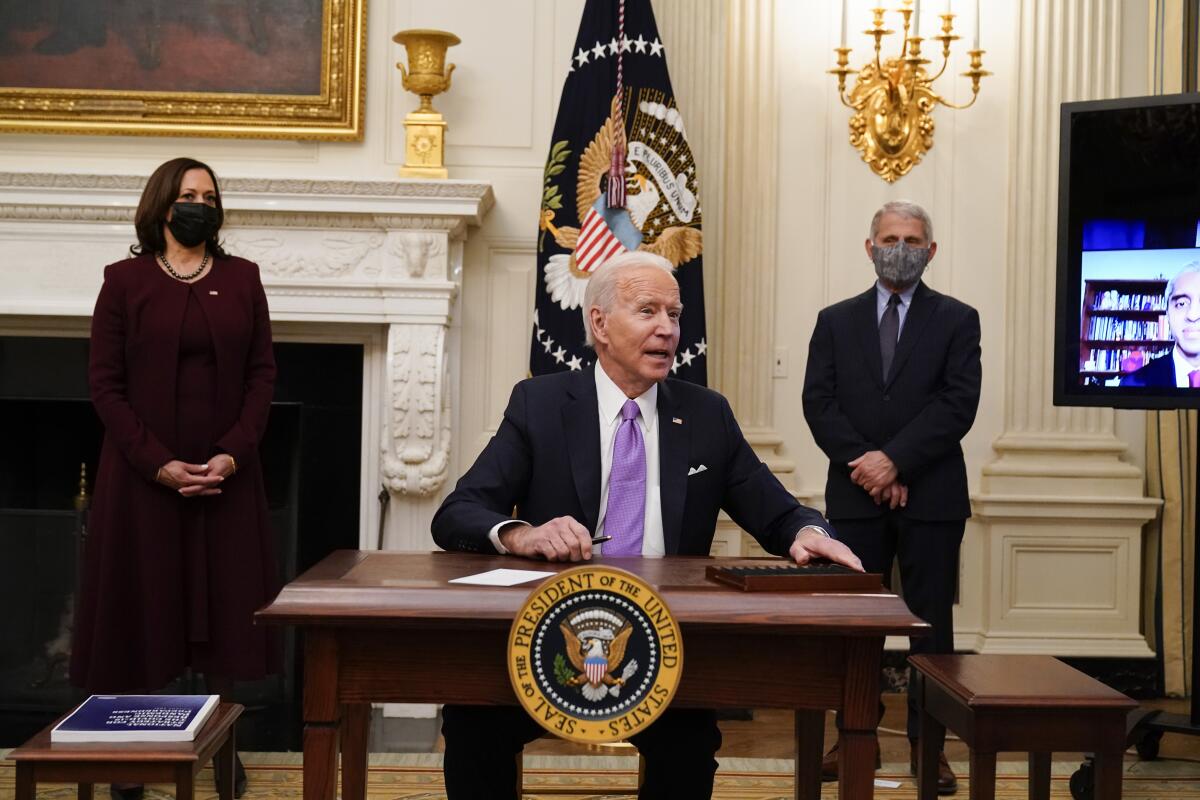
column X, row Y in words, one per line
column 340, row 256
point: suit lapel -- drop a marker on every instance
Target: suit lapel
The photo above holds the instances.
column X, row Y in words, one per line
column 580, row 416
column 672, row 465
column 866, row 322
column 924, row 302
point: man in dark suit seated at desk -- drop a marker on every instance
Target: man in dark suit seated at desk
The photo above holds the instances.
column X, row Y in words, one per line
column 620, row 450
column 1181, row 369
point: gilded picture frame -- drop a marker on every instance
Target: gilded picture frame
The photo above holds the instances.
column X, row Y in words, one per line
column 259, row 69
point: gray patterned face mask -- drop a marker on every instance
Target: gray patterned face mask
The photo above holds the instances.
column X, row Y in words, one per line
column 900, row 265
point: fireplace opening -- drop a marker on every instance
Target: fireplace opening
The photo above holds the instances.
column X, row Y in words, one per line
column 312, row 469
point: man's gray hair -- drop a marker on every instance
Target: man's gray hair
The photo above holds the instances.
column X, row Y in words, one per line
column 601, row 291
column 1192, row 267
column 903, row 208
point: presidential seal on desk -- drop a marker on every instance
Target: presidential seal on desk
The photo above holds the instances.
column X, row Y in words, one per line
column 594, row 655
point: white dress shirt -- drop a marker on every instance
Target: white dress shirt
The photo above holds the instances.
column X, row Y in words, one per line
column 883, row 294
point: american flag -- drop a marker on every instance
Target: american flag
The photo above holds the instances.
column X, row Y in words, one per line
column 597, row 242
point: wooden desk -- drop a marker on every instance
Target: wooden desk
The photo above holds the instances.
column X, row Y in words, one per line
column 1034, row 704
column 41, row 761
column 386, row 627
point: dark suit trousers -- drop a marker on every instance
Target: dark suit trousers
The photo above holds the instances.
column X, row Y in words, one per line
column 482, row 744
column 928, row 557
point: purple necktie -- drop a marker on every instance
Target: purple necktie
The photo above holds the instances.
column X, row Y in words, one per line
column 625, row 517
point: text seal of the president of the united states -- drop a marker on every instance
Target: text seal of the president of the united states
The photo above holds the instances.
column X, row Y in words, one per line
column 595, row 655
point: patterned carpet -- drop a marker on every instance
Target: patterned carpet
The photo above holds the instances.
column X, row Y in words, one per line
column 274, row 776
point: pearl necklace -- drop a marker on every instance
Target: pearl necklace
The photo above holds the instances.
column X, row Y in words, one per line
column 203, row 263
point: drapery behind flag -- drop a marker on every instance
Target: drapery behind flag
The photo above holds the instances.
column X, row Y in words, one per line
column 577, row 229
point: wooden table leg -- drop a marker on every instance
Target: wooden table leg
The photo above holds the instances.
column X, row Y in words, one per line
column 1109, row 774
column 356, row 721
column 1039, row 776
column 185, row 782
column 321, row 714
column 860, row 715
column 983, row 776
column 26, row 785
column 932, row 732
column 223, row 767
column 84, row 791
column 810, row 736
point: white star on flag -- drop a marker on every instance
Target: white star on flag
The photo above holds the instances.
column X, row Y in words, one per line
column 598, row 51
column 701, row 346
column 687, row 358
column 612, row 46
column 640, row 44
column 581, row 56
column 574, row 363
column 656, row 47
column 558, row 354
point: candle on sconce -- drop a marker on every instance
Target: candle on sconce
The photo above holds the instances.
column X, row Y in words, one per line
column 844, row 23
column 916, row 18
column 975, row 38
column 947, row 11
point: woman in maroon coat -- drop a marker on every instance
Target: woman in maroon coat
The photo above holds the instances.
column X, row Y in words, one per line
column 179, row 552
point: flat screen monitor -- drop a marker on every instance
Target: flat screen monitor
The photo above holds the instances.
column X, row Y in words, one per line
column 1127, row 322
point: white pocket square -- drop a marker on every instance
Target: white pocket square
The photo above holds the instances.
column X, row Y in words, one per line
column 696, row 470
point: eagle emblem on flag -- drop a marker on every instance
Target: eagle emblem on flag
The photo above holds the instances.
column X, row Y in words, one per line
column 662, row 213
column 595, row 642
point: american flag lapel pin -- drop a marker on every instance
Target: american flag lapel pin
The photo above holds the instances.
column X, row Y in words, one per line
column 677, row 420
column 212, row 291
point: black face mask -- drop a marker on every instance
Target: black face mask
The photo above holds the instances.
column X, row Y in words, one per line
column 193, row 223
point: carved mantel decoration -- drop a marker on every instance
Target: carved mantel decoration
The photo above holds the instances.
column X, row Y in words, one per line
column 338, row 253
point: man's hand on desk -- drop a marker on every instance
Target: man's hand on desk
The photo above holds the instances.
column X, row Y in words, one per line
column 560, row 539
column 873, row 470
column 811, row 545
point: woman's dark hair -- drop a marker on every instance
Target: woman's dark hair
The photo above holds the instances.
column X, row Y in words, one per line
column 161, row 191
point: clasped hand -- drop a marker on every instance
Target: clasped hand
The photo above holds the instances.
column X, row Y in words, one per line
column 196, row 480
column 877, row 474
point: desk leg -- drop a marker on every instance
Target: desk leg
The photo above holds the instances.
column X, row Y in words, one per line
column 356, row 721
column 810, row 736
column 25, row 782
column 185, row 782
column 321, row 714
column 983, row 776
column 860, row 716
column 1109, row 769
column 932, row 732
column 84, row 792
column 1039, row 776
column 223, row 767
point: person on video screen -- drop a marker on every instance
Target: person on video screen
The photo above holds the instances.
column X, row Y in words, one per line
column 1182, row 368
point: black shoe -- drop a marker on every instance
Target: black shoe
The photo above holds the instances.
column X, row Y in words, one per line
column 127, row 791
column 239, row 776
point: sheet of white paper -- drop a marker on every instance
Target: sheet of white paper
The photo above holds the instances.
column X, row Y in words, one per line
column 503, row 577
column 880, row 783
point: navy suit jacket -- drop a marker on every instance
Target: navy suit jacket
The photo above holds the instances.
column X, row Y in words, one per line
column 544, row 462
column 1159, row 372
column 917, row 416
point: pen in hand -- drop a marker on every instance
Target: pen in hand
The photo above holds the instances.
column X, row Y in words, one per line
column 600, row 539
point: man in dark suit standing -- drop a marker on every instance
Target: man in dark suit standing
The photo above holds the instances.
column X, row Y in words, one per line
column 891, row 388
column 620, row 450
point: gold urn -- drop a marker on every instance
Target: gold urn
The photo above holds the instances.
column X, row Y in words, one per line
column 427, row 74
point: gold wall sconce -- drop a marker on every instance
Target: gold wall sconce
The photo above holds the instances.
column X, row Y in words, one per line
column 893, row 98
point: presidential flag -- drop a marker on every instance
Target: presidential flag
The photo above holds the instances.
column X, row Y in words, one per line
column 619, row 177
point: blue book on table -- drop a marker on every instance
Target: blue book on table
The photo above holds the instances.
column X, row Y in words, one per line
column 136, row 718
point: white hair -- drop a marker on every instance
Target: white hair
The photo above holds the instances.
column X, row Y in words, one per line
column 601, row 291
column 1192, row 267
column 903, row 208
